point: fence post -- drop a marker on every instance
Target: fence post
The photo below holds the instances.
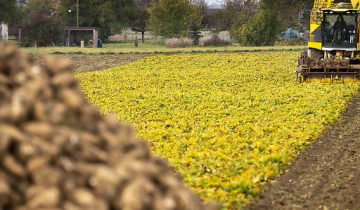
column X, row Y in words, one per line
column 95, row 38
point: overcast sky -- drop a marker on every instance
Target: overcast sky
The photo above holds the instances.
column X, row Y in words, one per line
column 214, row 2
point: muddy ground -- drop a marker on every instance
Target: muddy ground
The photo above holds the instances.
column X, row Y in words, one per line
column 86, row 63
column 326, row 176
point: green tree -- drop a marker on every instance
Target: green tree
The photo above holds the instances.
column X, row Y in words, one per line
column 195, row 32
column 287, row 11
column 7, row 10
column 265, row 27
column 43, row 23
column 202, row 7
column 110, row 16
column 238, row 12
column 141, row 19
column 262, row 30
column 173, row 18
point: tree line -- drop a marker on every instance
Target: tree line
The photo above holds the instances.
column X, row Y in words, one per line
column 251, row 22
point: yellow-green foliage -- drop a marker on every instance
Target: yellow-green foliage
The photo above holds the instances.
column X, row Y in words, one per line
column 227, row 122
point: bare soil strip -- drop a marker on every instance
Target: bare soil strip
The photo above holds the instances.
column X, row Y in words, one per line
column 86, row 63
column 326, row 176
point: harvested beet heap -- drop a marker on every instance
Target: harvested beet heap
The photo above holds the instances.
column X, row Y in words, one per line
column 58, row 152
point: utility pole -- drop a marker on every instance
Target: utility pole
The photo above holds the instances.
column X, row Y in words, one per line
column 77, row 14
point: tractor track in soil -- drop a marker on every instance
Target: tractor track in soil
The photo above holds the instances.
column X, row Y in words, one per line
column 326, row 176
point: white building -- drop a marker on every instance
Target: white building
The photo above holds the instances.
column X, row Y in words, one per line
column 4, row 32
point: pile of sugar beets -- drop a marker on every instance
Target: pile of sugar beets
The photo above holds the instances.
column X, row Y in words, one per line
column 58, row 152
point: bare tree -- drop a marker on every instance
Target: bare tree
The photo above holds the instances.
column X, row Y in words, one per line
column 203, row 9
column 289, row 18
column 238, row 12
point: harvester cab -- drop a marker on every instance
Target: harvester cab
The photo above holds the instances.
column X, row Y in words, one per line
column 333, row 53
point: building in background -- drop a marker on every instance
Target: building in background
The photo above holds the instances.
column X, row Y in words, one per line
column 4, row 32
